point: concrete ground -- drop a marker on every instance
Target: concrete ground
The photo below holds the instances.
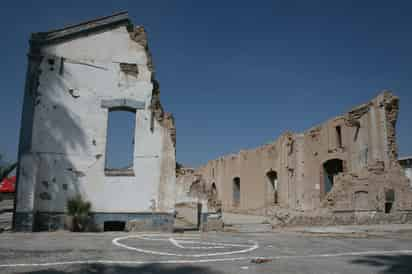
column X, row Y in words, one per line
column 355, row 229
column 281, row 252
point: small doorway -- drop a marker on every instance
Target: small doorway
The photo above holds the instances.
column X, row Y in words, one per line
column 389, row 200
column 114, row 226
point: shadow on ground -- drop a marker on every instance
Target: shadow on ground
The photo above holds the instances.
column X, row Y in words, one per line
column 116, row 269
column 388, row 264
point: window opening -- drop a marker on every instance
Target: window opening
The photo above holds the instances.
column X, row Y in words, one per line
column 120, row 142
column 236, row 191
column 339, row 136
column 331, row 168
column 272, row 185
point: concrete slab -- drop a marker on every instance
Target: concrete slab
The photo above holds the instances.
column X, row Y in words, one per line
column 284, row 252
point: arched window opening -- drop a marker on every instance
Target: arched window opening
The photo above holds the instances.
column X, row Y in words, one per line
column 272, row 187
column 236, row 191
column 214, row 191
column 331, row 168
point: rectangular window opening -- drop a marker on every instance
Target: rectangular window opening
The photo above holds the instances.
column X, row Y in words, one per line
column 120, row 142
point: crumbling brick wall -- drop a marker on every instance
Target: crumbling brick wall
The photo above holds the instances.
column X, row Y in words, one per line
column 361, row 144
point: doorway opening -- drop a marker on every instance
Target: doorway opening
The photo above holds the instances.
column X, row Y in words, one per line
column 114, row 226
column 389, row 200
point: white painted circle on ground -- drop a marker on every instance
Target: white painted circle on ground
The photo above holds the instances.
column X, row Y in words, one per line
column 180, row 242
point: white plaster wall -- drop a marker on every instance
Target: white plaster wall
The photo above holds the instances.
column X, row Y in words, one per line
column 69, row 134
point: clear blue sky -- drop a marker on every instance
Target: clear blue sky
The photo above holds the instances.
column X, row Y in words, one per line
column 236, row 74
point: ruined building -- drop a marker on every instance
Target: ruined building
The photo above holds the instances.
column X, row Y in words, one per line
column 342, row 171
column 77, row 77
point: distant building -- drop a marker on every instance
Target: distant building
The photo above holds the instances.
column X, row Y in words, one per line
column 78, row 76
column 406, row 163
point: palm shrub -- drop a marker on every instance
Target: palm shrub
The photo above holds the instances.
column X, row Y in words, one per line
column 79, row 210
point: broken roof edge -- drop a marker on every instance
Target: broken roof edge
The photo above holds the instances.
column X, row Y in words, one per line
column 380, row 94
column 292, row 134
column 239, row 153
column 86, row 27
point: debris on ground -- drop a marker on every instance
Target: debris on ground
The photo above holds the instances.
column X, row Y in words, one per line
column 260, row 260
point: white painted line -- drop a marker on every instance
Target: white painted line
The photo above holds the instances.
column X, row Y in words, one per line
column 175, row 243
column 211, row 245
column 165, row 237
column 113, row 262
column 187, row 240
column 214, row 244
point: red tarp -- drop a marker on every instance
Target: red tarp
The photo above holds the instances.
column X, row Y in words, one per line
column 8, row 185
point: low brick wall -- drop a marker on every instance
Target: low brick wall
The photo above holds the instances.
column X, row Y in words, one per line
column 52, row 221
column 346, row 218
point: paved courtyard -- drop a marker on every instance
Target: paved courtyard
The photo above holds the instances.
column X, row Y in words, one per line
column 282, row 252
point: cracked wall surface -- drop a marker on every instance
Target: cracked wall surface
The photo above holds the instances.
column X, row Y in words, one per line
column 363, row 142
column 75, row 76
